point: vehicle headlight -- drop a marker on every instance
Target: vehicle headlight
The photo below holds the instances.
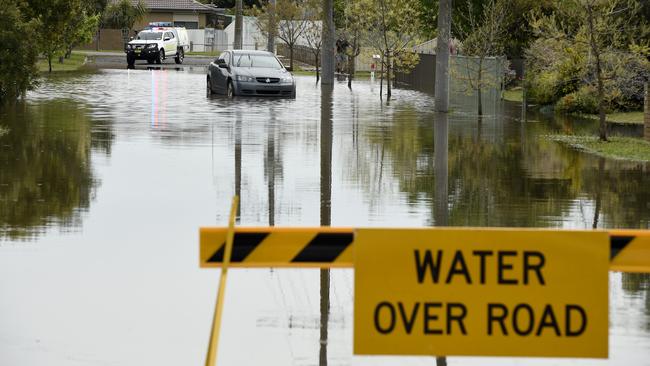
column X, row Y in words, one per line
column 245, row 78
column 129, row 46
column 287, row 79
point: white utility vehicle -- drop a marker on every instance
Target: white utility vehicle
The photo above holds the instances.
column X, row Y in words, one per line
column 156, row 44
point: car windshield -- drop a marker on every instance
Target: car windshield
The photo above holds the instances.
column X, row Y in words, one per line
column 150, row 36
column 256, row 61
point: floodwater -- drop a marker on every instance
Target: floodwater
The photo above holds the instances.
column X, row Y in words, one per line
column 106, row 177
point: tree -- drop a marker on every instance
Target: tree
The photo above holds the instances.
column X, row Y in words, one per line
column 351, row 33
column 291, row 18
column 123, row 15
column 483, row 38
column 81, row 27
column 18, row 67
column 596, row 33
column 391, row 27
column 313, row 36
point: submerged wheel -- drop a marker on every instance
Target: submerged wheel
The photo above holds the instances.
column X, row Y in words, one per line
column 161, row 56
column 130, row 61
column 180, row 54
column 230, row 91
column 208, row 88
column 150, row 61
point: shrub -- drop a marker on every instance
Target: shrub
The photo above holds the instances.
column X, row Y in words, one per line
column 585, row 100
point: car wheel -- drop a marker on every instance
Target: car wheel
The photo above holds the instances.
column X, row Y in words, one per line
column 208, row 88
column 293, row 93
column 150, row 61
column 161, row 56
column 130, row 61
column 180, row 54
column 230, row 91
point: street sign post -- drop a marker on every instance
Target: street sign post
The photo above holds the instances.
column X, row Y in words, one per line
column 481, row 292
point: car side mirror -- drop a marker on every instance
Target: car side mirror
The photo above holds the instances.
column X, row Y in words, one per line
column 222, row 63
column 167, row 39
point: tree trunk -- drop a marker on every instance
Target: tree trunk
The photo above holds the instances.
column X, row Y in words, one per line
column 646, row 117
column 351, row 69
column 599, row 74
column 291, row 57
column 478, row 86
column 99, row 37
column 388, row 75
column 381, row 81
column 49, row 62
column 317, row 69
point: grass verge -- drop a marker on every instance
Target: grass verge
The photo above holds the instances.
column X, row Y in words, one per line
column 513, row 95
column 620, row 148
column 619, row 117
column 3, row 131
column 74, row 63
column 214, row 53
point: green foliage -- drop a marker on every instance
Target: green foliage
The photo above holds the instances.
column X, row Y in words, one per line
column 62, row 24
column 124, row 14
column 583, row 100
column 562, row 63
column 18, row 67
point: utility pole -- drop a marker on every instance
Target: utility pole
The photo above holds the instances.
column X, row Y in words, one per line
column 239, row 20
column 270, row 43
column 328, row 43
column 442, row 56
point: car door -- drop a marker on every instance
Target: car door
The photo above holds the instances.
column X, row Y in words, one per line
column 221, row 74
column 170, row 43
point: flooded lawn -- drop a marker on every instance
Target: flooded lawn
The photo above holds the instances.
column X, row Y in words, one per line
column 106, row 177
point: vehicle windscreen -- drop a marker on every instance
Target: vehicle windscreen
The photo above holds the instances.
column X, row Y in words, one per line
column 256, row 61
column 150, row 36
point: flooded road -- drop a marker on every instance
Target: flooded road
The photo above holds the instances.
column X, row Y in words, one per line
column 106, row 177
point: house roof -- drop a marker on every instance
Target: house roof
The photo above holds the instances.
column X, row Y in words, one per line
column 177, row 5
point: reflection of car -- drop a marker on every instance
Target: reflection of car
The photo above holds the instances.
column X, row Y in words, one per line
column 243, row 72
column 156, row 44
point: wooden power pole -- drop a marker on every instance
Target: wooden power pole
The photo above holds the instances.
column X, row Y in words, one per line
column 442, row 56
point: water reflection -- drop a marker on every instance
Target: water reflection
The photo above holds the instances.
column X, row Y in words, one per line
column 338, row 157
column 326, row 133
column 46, row 175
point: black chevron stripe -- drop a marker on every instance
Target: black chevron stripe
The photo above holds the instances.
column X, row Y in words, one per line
column 324, row 248
column 242, row 246
column 618, row 243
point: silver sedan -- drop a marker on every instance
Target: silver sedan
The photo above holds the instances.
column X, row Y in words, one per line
column 255, row 73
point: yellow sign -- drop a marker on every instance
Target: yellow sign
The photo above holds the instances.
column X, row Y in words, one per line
column 481, row 292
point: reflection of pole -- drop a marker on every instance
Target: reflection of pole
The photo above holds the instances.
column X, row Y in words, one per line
column 238, row 164
column 441, row 161
column 442, row 56
column 325, row 209
column 327, row 77
column 239, row 20
column 599, row 189
column 523, row 93
column 270, row 167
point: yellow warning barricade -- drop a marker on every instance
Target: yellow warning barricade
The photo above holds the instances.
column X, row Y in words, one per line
column 329, row 247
